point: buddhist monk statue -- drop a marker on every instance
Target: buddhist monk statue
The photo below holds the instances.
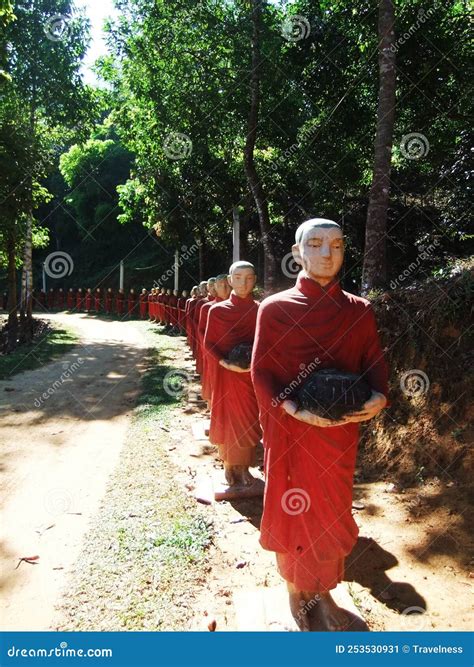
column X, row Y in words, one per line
column 235, row 427
column 60, row 302
column 98, row 300
column 310, row 459
column 222, row 290
column 200, row 326
column 143, row 300
column 181, row 306
column 70, row 298
column 109, row 300
column 190, row 305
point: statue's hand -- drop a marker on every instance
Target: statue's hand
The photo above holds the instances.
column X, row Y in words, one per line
column 291, row 408
column 371, row 408
column 232, row 367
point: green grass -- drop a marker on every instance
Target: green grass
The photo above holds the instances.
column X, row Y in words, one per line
column 147, row 552
column 51, row 345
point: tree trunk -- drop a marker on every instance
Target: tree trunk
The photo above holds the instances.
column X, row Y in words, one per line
column 374, row 271
column 26, row 313
column 12, row 296
column 253, row 179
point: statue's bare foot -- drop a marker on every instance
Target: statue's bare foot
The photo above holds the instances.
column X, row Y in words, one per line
column 327, row 614
column 241, row 484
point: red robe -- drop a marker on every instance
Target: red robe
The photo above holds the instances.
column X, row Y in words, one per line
column 119, row 303
column 70, row 300
column 181, row 312
column 143, row 305
column 200, row 332
column 51, row 300
column 172, row 301
column 60, row 300
column 151, row 306
column 165, row 311
column 158, row 307
column 190, row 305
column 79, row 301
column 206, row 386
column 131, row 304
column 234, row 413
column 309, row 470
column 97, row 305
column 194, row 317
column 109, row 301
column 88, row 301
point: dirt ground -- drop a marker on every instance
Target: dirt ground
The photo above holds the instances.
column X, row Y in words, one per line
column 412, row 560
column 58, row 448
column 411, row 569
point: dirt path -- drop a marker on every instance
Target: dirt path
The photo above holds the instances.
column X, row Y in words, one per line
column 62, row 428
column 412, row 560
column 411, row 569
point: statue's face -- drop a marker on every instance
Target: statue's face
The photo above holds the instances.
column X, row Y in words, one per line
column 211, row 288
column 243, row 281
column 203, row 289
column 320, row 252
column 223, row 288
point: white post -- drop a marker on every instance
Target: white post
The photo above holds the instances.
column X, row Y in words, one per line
column 176, row 269
column 44, row 279
column 121, row 274
column 236, row 234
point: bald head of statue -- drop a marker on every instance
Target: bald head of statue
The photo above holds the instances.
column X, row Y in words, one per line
column 222, row 286
column 211, row 287
column 242, row 278
column 319, row 249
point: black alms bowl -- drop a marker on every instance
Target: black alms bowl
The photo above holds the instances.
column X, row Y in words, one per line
column 332, row 394
column 241, row 355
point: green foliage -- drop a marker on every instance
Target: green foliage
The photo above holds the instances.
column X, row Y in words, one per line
column 187, row 540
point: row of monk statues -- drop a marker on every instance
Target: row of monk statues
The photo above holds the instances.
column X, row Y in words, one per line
column 297, row 372
column 160, row 305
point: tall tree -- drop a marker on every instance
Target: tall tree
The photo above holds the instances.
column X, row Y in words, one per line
column 253, row 178
column 374, row 271
column 46, row 43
